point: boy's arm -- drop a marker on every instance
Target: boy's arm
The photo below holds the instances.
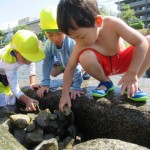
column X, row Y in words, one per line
column 47, row 64
column 32, row 76
column 46, row 69
column 134, row 38
column 77, row 81
column 11, row 74
column 67, row 79
column 129, row 80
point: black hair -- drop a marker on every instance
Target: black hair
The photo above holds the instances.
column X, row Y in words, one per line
column 72, row 14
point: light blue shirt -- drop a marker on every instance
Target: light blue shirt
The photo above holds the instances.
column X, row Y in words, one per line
column 63, row 56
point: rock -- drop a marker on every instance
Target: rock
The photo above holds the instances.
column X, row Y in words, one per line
column 43, row 118
column 20, row 134
column 34, row 137
column 7, row 140
column 148, row 72
column 67, row 111
column 114, row 116
column 107, row 144
column 20, row 120
column 48, row 145
column 31, row 126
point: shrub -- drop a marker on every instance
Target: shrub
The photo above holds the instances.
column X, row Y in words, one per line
column 138, row 25
column 148, row 26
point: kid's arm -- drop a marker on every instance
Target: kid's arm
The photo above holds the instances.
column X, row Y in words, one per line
column 11, row 74
column 129, row 80
column 46, row 69
column 30, row 103
column 77, row 79
column 67, row 80
column 32, row 76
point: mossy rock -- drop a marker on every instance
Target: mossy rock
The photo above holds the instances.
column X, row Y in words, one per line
column 112, row 117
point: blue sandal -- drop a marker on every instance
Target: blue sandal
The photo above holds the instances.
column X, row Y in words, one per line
column 101, row 93
column 138, row 96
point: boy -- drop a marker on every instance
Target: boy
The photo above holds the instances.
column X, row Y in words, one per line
column 98, row 38
column 23, row 49
column 58, row 49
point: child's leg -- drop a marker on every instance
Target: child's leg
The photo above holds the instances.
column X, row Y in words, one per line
column 95, row 69
column 146, row 63
column 92, row 65
column 56, row 70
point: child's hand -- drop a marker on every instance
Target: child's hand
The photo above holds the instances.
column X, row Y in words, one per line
column 74, row 93
column 34, row 85
column 30, row 104
column 65, row 100
column 41, row 90
column 130, row 83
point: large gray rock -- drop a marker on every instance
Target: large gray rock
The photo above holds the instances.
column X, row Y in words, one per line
column 113, row 117
column 107, row 144
column 7, row 141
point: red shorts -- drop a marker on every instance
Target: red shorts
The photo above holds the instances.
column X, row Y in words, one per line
column 114, row 64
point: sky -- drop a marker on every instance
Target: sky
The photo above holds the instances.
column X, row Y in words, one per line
column 13, row 10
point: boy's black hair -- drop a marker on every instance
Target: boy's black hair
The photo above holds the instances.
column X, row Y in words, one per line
column 72, row 14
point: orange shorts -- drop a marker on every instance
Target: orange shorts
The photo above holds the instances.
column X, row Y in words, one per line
column 113, row 65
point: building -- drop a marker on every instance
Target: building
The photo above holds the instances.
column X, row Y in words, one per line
column 26, row 20
column 31, row 23
column 141, row 8
column 34, row 26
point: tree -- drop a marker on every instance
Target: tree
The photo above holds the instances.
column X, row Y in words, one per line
column 40, row 36
column 1, row 36
column 104, row 11
column 128, row 15
column 15, row 29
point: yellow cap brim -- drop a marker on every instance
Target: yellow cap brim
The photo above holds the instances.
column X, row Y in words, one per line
column 38, row 56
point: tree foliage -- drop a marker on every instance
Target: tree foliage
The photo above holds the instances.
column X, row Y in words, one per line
column 127, row 14
column 15, row 29
column 104, row 11
column 1, row 35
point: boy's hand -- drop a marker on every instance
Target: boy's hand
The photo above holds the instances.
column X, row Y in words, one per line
column 65, row 100
column 74, row 93
column 34, row 85
column 30, row 104
column 41, row 90
column 130, row 83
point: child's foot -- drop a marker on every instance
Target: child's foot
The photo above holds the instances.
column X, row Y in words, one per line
column 139, row 96
column 86, row 76
column 103, row 89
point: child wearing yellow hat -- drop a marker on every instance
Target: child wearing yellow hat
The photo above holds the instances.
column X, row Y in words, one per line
column 58, row 46
column 23, row 49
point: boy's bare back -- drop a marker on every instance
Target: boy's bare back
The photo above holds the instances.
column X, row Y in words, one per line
column 109, row 41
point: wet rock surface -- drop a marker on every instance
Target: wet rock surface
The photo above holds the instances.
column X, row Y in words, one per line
column 7, row 140
column 37, row 129
column 112, row 117
column 107, row 144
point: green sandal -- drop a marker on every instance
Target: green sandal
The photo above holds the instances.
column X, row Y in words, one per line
column 101, row 93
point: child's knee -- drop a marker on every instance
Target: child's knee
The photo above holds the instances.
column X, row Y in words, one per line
column 87, row 57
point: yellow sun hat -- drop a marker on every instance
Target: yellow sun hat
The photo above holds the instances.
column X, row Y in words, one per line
column 26, row 43
column 48, row 20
